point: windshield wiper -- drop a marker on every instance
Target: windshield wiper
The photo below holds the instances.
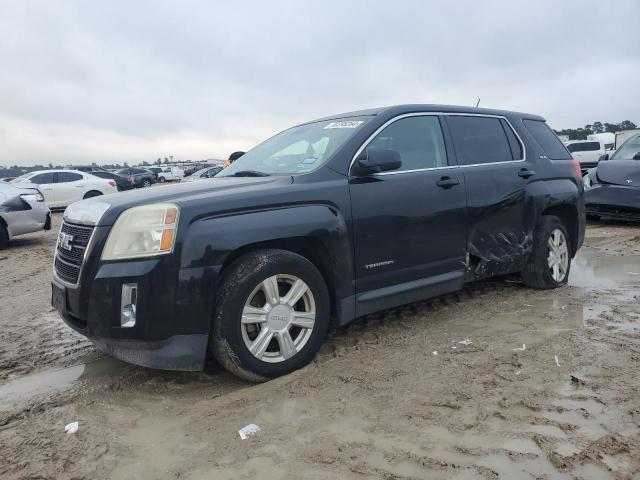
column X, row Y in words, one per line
column 249, row 173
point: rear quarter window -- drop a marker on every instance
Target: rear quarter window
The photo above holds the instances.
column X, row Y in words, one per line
column 549, row 141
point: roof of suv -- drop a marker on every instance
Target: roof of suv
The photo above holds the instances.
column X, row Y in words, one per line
column 412, row 108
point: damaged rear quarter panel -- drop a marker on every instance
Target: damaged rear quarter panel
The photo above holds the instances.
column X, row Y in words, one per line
column 496, row 250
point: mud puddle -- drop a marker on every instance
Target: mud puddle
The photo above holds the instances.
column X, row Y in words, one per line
column 22, row 389
column 591, row 271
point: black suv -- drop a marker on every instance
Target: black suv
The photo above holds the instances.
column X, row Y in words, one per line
column 325, row 222
column 138, row 177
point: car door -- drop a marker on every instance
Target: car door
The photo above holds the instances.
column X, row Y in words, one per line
column 592, row 152
column 45, row 182
column 69, row 187
column 496, row 172
column 409, row 226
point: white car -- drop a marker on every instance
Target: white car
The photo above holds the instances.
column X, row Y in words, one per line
column 63, row 187
column 587, row 152
column 22, row 210
column 170, row 174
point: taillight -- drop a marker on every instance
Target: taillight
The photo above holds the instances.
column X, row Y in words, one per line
column 112, row 183
column 576, row 167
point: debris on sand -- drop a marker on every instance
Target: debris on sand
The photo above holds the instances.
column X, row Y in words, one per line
column 249, row 430
column 434, row 353
column 520, row 349
column 465, row 342
column 577, row 381
column 71, row 427
column 557, row 360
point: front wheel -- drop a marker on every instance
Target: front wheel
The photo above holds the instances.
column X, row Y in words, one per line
column 162, row 179
column 272, row 315
column 146, row 183
column 550, row 261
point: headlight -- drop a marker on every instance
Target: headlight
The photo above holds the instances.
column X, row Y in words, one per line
column 586, row 181
column 143, row 232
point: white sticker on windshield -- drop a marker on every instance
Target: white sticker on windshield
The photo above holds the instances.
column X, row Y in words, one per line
column 345, row 124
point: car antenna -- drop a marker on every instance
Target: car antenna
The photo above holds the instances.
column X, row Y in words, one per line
column 478, row 102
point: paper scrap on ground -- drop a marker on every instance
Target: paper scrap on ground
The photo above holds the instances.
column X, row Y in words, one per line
column 557, row 360
column 435, row 353
column 71, row 427
column 249, row 430
column 465, row 342
column 519, row 349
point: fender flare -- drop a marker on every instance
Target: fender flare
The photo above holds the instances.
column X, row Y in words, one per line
column 211, row 243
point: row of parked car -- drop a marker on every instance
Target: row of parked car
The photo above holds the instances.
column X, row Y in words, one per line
column 25, row 201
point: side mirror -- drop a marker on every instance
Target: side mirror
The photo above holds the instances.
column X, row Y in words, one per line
column 603, row 157
column 376, row 160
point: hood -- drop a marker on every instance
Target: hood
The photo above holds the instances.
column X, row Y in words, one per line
column 104, row 210
column 619, row 172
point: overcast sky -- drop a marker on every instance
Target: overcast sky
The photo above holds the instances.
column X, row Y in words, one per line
column 115, row 81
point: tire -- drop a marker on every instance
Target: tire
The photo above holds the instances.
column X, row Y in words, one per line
column 162, row 179
column 146, row 183
column 246, row 281
column 91, row 194
column 4, row 236
column 538, row 272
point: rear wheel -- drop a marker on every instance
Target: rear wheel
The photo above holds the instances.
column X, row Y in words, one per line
column 272, row 315
column 4, row 236
column 92, row 193
column 550, row 261
column 146, row 183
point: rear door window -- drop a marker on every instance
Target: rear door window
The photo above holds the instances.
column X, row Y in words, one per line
column 548, row 140
column 479, row 140
column 418, row 140
column 65, row 177
column 591, row 146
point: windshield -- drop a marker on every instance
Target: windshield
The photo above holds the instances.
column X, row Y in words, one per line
column 630, row 150
column 300, row 149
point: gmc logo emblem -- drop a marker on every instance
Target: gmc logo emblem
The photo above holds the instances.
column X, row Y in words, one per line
column 64, row 240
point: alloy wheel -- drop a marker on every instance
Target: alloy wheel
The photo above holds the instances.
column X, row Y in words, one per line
column 558, row 257
column 278, row 318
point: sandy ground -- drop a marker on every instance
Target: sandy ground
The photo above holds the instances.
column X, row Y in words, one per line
column 377, row 403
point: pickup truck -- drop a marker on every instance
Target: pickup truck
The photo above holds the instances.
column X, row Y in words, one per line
column 325, row 222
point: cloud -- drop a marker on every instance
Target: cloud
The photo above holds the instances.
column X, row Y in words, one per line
column 132, row 81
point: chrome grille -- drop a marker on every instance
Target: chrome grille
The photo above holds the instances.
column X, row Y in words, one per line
column 68, row 261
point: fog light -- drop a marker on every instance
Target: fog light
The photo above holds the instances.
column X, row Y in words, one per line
column 128, row 305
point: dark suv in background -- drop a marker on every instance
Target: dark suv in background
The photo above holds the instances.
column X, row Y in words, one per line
column 325, row 222
column 138, row 177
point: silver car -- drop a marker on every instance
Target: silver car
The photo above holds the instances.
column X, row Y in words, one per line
column 22, row 210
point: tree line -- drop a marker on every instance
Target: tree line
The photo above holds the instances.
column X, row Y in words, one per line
column 581, row 133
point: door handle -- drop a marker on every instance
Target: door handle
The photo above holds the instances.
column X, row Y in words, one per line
column 526, row 173
column 447, row 182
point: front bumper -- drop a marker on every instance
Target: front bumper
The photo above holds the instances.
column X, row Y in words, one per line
column 613, row 200
column 173, row 314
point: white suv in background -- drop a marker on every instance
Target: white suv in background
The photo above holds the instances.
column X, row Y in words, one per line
column 170, row 174
column 63, row 187
column 587, row 152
